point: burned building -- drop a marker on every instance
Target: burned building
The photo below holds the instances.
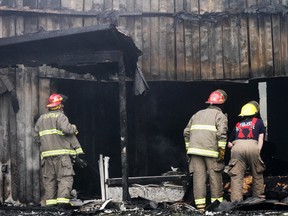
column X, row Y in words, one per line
column 138, row 70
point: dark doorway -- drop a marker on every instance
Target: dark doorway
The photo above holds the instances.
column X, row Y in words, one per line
column 155, row 124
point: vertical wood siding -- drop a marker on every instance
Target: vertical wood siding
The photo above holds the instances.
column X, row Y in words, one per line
column 243, row 46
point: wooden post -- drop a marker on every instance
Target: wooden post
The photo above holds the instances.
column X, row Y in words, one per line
column 106, row 176
column 101, row 172
column 123, row 129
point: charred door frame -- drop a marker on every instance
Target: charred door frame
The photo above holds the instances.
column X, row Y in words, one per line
column 27, row 50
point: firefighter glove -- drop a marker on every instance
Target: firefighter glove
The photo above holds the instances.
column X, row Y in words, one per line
column 76, row 131
column 221, row 154
column 76, row 160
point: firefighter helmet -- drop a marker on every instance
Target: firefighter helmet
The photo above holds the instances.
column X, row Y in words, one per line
column 256, row 104
column 54, row 100
column 218, row 96
column 248, row 109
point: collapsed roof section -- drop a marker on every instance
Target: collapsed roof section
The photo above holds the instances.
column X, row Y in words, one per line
column 77, row 50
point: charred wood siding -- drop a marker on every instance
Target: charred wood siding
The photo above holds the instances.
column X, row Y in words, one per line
column 181, row 40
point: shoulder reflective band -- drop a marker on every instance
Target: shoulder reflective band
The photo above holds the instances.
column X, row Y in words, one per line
column 203, row 127
column 200, row 201
column 203, row 152
column 51, row 131
column 221, row 144
column 57, row 152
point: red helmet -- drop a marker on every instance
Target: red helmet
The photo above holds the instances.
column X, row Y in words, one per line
column 54, row 100
column 217, row 97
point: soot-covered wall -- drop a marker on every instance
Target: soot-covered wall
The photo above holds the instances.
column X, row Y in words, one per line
column 155, row 123
column 277, row 107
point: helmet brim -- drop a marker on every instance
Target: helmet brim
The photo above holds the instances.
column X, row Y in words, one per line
column 53, row 104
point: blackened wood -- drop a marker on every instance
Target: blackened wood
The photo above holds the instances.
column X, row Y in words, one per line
column 148, row 179
column 180, row 46
column 123, row 130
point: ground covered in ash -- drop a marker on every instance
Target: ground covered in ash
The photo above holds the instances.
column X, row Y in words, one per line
column 140, row 213
column 131, row 210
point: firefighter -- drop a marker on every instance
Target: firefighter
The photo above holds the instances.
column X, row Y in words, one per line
column 58, row 146
column 205, row 138
column 246, row 142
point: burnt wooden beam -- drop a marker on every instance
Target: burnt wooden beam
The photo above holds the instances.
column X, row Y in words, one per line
column 123, row 131
column 71, row 58
column 148, row 179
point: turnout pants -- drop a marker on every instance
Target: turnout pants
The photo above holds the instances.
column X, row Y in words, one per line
column 201, row 166
column 57, row 175
column 245, row 154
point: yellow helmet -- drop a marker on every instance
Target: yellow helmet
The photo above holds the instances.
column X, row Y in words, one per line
column 248, row 110
column 256, row 104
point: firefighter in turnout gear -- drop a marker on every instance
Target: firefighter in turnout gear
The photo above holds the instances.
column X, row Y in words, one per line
column 246, row 142
column 58, row 145
column 205, row 138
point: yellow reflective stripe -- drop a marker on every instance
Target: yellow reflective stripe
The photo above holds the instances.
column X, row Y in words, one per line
column 63, row 200
column 57, row 152
column 203, row 152
column 51, row 131
column 51, row 202
column 220, row 199
column 222, row 144
column 203, row 127
column 200, row 201
column 79, row 151
column 187, row 145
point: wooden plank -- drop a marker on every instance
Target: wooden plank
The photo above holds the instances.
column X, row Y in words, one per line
column 13, row 175
column 148, row 179
column 180, row 49
column 205, row 58
column 227, row 46
column 235, row 40
column 146, row 58
column 170, row 43
column 188, row 50
column 108, row 5
column 27, row 129
column 154, row 37
column 138, row 30
column 196, row 52
column 49, row 22
column 70, row 22
column 231, row 50
column 92, row 5
column 20, row 118
column 276, row 28
column 162, row 41
column 123, row 130
column 5, row 145
column 205, row 30
column 253, row 42
column 216, row 43
column 284, row 46
column 243, row 42
column 36, row 178
column 266, row 44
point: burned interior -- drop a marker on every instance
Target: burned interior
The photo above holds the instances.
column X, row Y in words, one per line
column 137, row 122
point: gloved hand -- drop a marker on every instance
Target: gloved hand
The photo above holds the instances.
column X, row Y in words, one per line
column 221, row 154
column 76, row 160
column 76, row 131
